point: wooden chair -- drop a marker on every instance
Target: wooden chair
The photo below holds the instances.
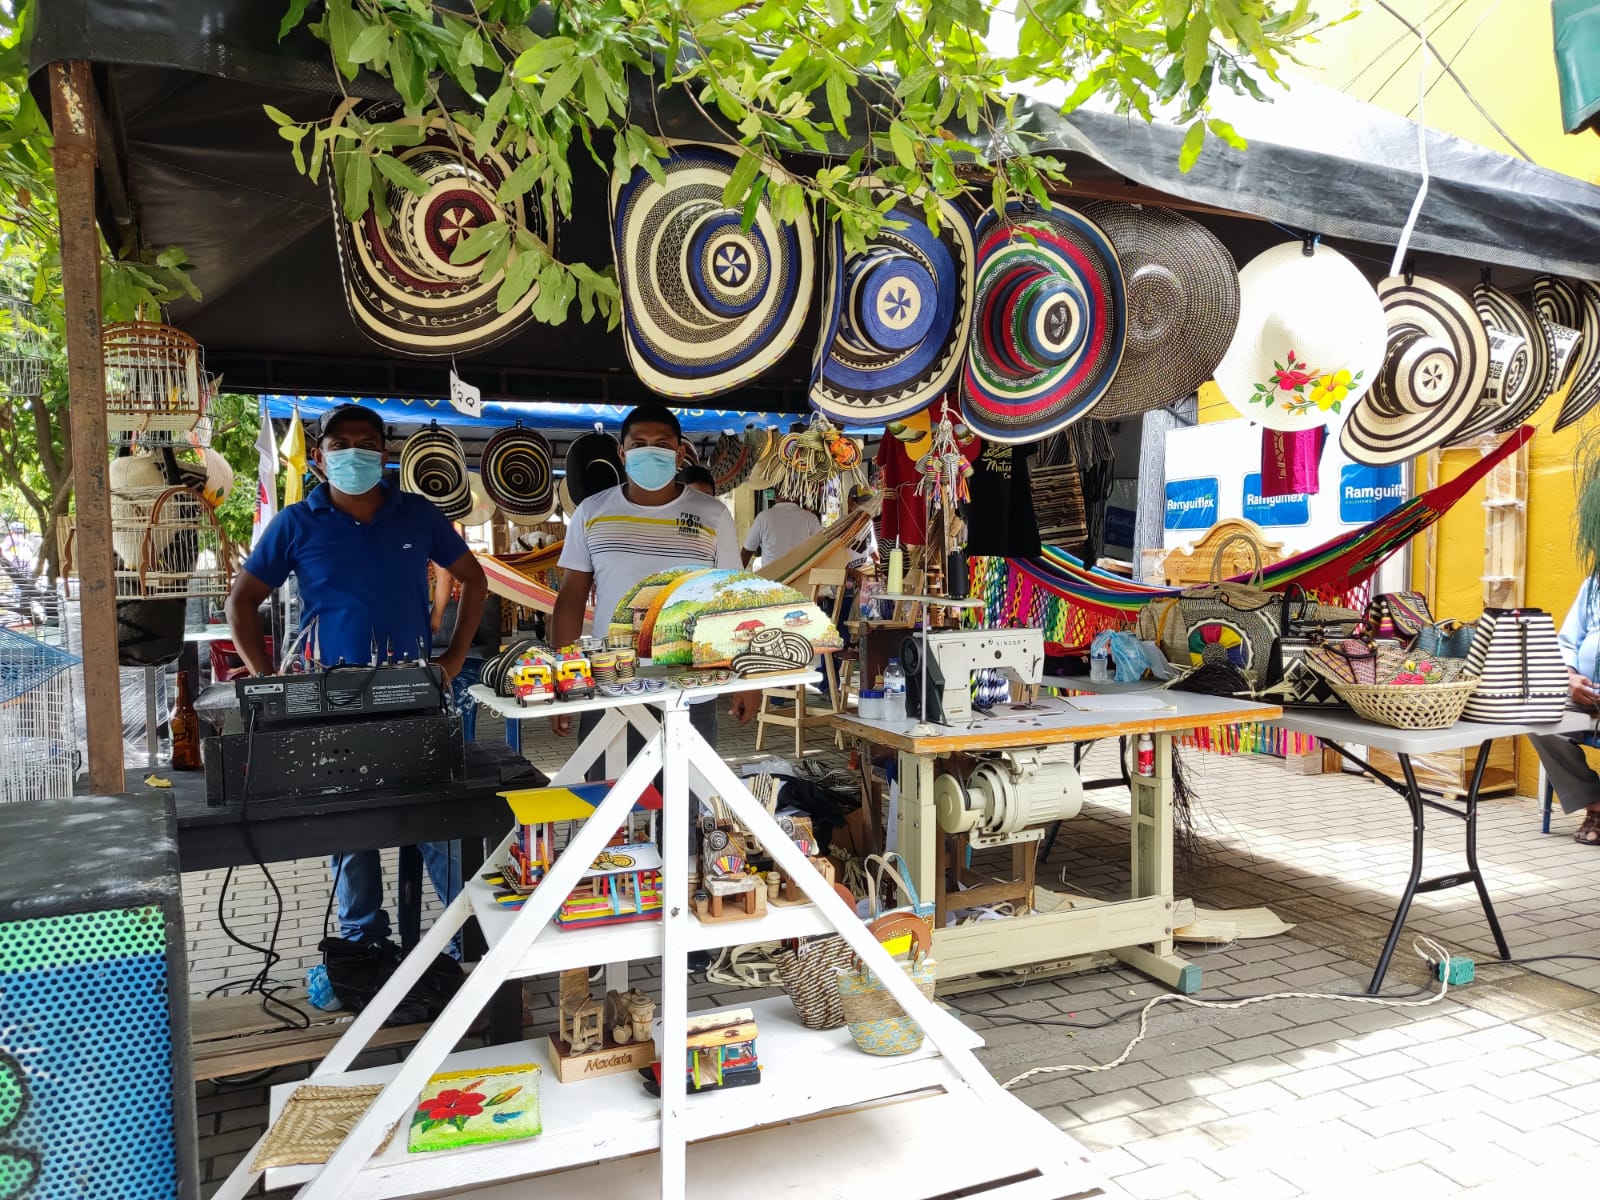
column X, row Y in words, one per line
column 807, row 709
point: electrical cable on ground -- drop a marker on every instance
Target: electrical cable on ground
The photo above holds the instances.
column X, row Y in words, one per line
column 1426, row 948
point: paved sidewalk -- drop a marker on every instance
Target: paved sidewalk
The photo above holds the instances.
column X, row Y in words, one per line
column 1488, row 1092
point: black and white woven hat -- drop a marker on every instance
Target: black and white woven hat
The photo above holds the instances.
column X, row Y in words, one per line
column 896, row 317
column 516, row 473
column 1518, row 363
column 402, row 289
column 1183, row 305
column 433, row 464
column 1584, row 391
column 1433, row 373
column 594, row 463
column 707, row 304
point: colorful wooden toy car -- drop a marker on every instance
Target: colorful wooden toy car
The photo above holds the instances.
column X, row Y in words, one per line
column 574, row 678
column 532, row 683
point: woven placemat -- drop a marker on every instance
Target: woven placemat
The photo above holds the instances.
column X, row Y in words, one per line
column 313, row 1123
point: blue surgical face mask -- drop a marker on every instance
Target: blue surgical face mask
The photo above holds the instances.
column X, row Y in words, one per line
column 353, row 471
column 651, row 467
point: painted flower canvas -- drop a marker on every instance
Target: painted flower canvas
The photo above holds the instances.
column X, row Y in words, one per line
column 467, row 1108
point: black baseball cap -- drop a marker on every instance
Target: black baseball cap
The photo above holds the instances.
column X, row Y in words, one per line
column 345, row 414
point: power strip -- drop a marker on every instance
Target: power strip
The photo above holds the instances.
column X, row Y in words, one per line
column 1455, row 970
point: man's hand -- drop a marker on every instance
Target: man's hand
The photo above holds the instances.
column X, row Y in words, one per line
column 744, row 706
column 561, row 725
column 451, row 663
column 1582, row 690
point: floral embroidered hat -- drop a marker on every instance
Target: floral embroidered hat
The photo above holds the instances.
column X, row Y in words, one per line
column 1310, row 338
column 1434, row 371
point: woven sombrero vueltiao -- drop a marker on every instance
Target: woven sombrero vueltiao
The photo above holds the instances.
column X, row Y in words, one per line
column 1560, row 316
column 594, row 463
column 402, row 289
column 1585, row 389
column 1519, row 391
column 706, row 306
column 1048, row 323
column 734, row 456
column 432, row 464
column 1433, row 373
column 1310, row 338
column 1183, row 305
column 896, row 317
column 516, row 472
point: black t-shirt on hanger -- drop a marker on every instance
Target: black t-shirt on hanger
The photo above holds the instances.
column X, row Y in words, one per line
column 1000, row 520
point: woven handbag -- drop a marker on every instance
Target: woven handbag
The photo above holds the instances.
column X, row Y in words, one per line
column 809, row 976
column 1522, row 678
column 877, row 1023
column 1232, row 623
column 1400, row 615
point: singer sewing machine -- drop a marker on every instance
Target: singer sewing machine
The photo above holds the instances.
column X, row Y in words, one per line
column 949, row 658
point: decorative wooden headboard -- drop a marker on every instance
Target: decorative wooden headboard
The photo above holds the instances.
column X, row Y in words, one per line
column 1191, row 564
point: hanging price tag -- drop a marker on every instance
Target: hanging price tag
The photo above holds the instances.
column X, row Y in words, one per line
column 464, row 398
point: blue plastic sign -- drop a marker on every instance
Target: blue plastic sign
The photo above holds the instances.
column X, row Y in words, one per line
column 1367, row 493
column 1280, row 511
column 1119, row 526
column 1191, row 503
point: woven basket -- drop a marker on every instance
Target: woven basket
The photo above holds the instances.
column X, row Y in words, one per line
column 810, row 978
column 1408, row 706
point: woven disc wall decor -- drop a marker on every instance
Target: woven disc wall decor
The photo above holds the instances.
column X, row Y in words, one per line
column 1183, row 305
column 706, row 305
column 516, row 472
column 432, row 464
column 896, row 318
column 403, row 290
column 1049, row 319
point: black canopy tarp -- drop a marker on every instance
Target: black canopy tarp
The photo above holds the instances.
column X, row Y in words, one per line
column 190, row 159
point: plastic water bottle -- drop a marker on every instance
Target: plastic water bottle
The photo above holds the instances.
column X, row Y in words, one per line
column 320, row 991
column 1097, row 662
column 894, row 692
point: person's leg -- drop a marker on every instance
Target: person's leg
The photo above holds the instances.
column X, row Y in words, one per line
column 443, row 861
column 358, row 885
column 1574, row 780
column 471, row 671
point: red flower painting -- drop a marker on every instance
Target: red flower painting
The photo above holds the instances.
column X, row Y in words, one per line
column 451, row 1103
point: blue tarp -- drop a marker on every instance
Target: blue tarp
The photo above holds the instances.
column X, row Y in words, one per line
column 547, row 418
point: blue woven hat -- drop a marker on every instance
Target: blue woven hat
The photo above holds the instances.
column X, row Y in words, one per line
column 706, row 304
column 897, row 316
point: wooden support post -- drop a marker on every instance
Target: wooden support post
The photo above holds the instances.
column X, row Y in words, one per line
column 72, row 113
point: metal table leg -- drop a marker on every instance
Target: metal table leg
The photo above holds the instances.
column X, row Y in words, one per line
column 1411, row 792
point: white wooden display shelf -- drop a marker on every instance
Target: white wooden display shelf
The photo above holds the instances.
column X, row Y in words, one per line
column 557, row 949
column 804, row 1072
column 611, row 1123
column 508, row 707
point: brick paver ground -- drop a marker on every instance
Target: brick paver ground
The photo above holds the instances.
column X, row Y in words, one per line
column 1489, row 1092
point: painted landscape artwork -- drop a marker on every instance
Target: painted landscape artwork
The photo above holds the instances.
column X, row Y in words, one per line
column 467, row 1108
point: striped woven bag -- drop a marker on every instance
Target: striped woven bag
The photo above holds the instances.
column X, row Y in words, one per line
column 1522, row 678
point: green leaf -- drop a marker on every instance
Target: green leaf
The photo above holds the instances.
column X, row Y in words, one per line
column 369, row 44
column 738, row 185
column 410, row 78
column 1196, row 48
column 710, row 10
column 520, row 272
column 357, row 184
column 594, row 93
column 522, row 178
column 478, row 243
column 343, row 25
column 398, row 173
column 543, row 55
column 839, row 11
column 838, row 100
column 493, row 112
column 1192, row 142
column 292, row 18
column 471, row 53
column 559, row 86
column 1226, row 132
column 279, row 117
column 905, row 150
column 1173, row 12
column 752, row 204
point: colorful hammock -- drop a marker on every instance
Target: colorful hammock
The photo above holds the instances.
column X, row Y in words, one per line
column 1039, row 590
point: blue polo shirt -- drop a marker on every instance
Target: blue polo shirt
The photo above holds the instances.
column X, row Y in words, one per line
column 360, row 585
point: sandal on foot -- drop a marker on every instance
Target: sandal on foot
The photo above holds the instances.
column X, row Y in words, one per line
column 1589, row 832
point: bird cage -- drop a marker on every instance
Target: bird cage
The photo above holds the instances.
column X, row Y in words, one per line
column 22, row 350
column 153, row 378
column 38, row 746
column 168, row 544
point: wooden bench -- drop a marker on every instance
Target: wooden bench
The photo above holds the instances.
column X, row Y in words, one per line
column 233, row 1035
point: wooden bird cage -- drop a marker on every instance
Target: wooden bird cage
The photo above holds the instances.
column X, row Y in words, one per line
column 153, row 378
column 22, row 350
column 168, row 544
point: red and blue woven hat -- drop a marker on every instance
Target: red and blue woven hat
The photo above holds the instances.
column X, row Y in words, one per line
column 1050, row 319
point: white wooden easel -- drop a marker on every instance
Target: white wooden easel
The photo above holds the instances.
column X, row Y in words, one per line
column 596, row 1130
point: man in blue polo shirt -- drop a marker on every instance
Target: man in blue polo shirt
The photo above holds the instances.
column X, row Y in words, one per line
column 359, row 548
